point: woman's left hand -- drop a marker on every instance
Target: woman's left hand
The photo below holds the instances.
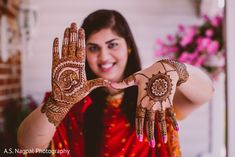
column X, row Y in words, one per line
column 156, row 89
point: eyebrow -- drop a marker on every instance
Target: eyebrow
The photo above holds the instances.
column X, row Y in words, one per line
column 107, row 42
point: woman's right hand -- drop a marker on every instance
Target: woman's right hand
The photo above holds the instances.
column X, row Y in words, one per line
column 69, row 83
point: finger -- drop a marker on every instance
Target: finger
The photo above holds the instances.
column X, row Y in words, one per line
column 127, row 82
column 95, row 83
column 156, row 106
column 171, row 116
column 150, row 105
column 81, row 53
column 162, row 124
column 150, row 123
column 144, row 101
column 72, row 41
column 65, row 44
column 55, row 51
column 139, row 122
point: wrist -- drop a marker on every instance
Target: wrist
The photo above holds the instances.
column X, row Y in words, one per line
column 55, row 110
column 180, row 68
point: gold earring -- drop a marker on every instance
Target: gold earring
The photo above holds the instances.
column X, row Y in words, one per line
column 129, row 50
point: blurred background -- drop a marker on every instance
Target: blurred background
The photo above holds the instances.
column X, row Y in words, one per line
column 192, row 31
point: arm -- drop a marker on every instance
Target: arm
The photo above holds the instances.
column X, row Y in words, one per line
column 35, row 131
column 186, row 101
column 69, row 86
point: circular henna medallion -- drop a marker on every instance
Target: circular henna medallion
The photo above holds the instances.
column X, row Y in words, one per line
column 69, row 80
column 159, row 87
column 69, row 76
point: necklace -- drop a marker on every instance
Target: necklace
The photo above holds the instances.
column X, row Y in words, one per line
column 115, row 100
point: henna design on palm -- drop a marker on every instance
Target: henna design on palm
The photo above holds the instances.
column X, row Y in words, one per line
column 158, row 89
column 155, row 97
column 69, row 83
column 69, row 77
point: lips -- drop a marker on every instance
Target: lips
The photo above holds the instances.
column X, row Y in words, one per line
column 105, row 67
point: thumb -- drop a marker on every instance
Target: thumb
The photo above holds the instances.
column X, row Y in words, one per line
column 95, row 83
column 127, row 82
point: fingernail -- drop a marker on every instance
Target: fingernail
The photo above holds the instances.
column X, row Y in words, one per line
column 177, row 128
column 152, row 143
column 140, row 137
column 164, row 138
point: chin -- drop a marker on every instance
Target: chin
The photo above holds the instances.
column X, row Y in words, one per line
column 113, row 79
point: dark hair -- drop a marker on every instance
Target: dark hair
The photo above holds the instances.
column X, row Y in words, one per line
column 93, row 118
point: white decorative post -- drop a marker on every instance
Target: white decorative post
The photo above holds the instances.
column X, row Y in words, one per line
column 230, row 40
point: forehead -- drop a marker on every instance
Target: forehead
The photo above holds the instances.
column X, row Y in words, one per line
column 103, row 35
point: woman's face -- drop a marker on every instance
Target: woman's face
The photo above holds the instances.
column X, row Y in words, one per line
column 107, row 54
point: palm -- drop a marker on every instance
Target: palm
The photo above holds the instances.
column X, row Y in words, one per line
column 156, row 89
column 69, row 83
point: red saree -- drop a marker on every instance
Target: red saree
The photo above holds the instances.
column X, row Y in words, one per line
column 119, row 140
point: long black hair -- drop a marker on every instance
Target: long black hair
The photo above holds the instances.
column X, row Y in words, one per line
column 93, row 118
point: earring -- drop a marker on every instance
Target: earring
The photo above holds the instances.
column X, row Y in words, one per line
column 129, row 50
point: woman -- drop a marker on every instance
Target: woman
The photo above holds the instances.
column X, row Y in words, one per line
column 103, row 123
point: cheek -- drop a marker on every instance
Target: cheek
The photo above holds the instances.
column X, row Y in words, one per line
column 123, row 57
column 92, row 61
column 123, row 54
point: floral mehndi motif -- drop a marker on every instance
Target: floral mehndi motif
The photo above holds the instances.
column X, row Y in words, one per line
column 69, row 84
column 159, row 87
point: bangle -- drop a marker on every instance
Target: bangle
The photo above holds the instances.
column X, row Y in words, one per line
column 180, row 68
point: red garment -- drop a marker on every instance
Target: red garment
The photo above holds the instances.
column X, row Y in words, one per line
column 119, row 139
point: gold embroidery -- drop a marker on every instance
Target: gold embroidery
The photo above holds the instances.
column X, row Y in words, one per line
column 173, row 142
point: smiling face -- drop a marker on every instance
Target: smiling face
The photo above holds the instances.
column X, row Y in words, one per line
column 107, row 54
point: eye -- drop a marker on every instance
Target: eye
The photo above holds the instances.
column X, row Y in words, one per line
column 112, row 45
column 93, row 48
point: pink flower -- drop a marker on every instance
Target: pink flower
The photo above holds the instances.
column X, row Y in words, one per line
column 183, row 57
column 188, row 36
column 206, row 17
column 173, row 49
column 196, row 45
column 199, row 62
column 181, row 28
column 209, row 33
column 186, row 57
column 160, row 51
column 213, row 47
column 195, row 54
column 159, row 42
column 170, row 38
column 187, row 39
column 199, row 40
column 216, row 21
column 202, row 43
column 191, row 31
column 163, row 50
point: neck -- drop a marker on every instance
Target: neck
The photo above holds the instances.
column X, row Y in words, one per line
column 112, row 91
